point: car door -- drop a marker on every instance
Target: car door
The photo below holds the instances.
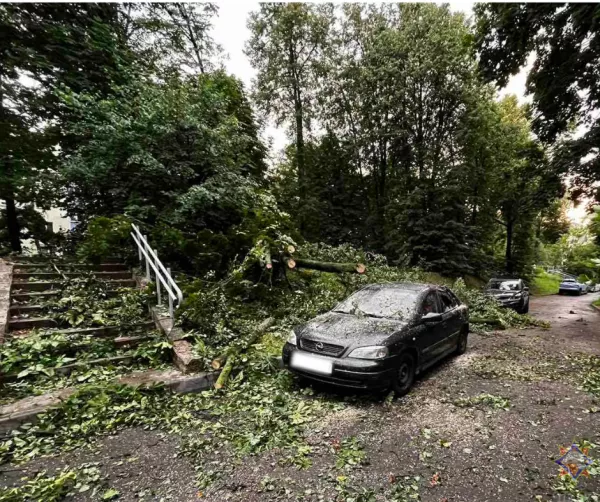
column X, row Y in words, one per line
column 452, row 320
column 432, row 337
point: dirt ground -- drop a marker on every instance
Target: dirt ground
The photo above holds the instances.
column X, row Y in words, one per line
column 450, row 453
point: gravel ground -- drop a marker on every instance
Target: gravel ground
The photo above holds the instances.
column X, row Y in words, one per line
column 449, row 453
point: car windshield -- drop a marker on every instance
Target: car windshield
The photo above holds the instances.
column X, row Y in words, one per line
column 504, row 285
column 387, row 302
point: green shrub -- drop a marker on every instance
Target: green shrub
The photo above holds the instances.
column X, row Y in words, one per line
column 545, row 283
column 583, row 278
column 106, row 237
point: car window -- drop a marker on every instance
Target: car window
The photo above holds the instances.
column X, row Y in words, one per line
column 397, row 303
column 447, row 302
column 505, row 285
column 431, row 304
column 454, row 297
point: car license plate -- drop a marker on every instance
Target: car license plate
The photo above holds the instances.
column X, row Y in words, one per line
column 313, row 364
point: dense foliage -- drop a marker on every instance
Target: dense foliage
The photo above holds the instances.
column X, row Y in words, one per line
column 563, row 80
column 417, row 160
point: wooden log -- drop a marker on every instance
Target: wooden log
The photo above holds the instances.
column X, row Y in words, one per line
column 233, row 355
column 218, row 362
column 225, row 372
column 323, row 266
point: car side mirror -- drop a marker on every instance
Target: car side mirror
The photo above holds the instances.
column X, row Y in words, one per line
column 432, row 317
column 526, row 288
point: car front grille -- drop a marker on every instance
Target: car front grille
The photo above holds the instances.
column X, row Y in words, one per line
column 327, row 349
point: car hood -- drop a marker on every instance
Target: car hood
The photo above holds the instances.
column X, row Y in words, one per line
column 349, row 329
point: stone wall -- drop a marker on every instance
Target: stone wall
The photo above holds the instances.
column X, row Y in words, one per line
column 5, row 282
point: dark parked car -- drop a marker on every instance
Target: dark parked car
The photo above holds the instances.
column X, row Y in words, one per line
column 380, row 337
column 510, row 293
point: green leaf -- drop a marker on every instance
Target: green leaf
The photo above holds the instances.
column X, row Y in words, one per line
column 110, row 494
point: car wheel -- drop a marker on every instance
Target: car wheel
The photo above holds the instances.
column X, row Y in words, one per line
column 561, row 292
column 405, row 375
column 525, row 308
column 461, row 348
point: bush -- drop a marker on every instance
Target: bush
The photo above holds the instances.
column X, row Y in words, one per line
column 545, row 283
column 105, row 237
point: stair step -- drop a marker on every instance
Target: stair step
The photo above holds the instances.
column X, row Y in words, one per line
column 22, row 286
column 100, row 331
column 27, row 409
column 31, row 323
column 18, row 310
column 55, row 275
column 42, row 295
column 131, row 341
column 69, row 368
column 103, row 267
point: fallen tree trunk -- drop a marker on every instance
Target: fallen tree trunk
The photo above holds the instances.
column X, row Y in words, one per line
column 323, row 266
column 233, row 354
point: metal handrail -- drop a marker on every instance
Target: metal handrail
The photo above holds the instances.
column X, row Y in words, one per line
column 162, row 275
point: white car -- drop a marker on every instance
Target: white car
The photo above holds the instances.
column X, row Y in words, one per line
column 572, row 286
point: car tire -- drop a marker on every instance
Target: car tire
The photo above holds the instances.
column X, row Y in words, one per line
column 405, row 375
column 525, row 309
column 560, row 292
column 461, row 347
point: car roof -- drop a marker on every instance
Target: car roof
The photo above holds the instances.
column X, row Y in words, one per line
column 410, row 286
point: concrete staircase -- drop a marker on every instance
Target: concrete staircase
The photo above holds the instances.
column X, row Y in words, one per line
column 35, row 288
column 35, row 285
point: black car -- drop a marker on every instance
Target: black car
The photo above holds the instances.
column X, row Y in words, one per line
column 380, row 337
column 510, row 293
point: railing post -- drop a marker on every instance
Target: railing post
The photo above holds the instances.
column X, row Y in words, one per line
column 170, row 298
column 157, row 283
column 147, row 260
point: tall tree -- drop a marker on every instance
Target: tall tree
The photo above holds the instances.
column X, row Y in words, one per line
column 525, row 182
column 172, row 35
column 46, row 47
column 286, row 44
column 564, row 79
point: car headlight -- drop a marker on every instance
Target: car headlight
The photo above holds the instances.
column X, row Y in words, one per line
column 374, row 352
column 292, row 338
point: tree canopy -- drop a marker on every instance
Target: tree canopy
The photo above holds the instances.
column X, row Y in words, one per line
column 399, row 143
column 563, row 80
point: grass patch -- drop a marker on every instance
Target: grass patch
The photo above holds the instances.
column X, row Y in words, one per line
column 545, row 283
column 596, row 303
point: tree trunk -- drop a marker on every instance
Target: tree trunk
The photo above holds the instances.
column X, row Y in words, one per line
column 323, row 266
column 14, row 231
column 12, row 223
column 509, row 238
column 299, row 117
